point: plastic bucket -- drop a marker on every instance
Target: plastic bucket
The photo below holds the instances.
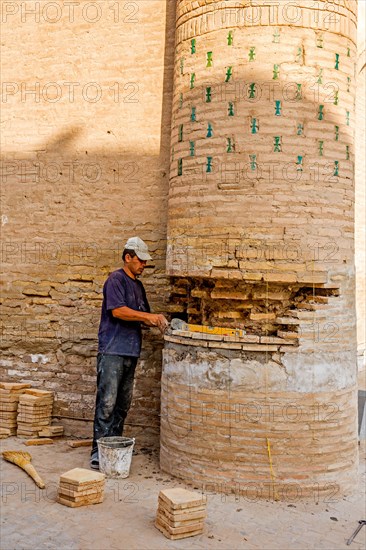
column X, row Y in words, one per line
column 115, row 454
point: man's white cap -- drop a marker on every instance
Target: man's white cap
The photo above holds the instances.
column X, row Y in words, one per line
column 139, row 246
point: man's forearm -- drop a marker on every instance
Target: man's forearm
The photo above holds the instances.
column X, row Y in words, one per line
column 127, row 314
column 150, row 319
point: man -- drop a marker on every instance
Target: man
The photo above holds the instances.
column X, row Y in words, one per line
column 124, row 308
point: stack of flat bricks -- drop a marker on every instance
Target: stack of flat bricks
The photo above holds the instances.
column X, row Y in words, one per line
column 51, row 431
column 9, row 398
column 180, row 513
column 81, row 487
column 34, row 411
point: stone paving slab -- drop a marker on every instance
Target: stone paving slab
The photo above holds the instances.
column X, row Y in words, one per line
column 32, row 519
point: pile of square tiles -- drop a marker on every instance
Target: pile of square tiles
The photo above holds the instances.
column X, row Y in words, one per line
column 34, row 411
column 180, row 513
column 81, row 487
column 9, row 397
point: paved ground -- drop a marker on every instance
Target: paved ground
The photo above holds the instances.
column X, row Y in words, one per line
column 32, row 519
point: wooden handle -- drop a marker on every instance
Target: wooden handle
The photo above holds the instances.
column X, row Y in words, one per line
column 31, row 471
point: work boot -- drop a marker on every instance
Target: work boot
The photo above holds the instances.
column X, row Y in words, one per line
column 94, row 460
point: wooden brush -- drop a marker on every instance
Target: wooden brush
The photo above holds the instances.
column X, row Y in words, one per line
column 23, row 460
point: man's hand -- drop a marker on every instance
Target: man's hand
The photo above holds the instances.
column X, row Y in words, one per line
column 149, row 319
column 157, row 320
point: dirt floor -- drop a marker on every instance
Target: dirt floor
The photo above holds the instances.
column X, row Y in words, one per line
column 32, row 519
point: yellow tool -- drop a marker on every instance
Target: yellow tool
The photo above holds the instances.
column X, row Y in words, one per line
column 273, row 477
column 178, row 324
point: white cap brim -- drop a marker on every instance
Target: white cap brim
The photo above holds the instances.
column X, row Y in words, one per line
column 143, row 256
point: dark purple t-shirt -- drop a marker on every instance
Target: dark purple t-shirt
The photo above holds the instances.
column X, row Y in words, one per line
column 118, row 337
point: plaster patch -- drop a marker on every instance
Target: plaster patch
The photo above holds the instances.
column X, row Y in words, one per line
column 35, row 358
column 318, row 372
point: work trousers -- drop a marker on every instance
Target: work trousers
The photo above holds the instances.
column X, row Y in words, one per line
column 115, row 376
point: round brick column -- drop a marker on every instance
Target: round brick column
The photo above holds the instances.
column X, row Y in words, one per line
column 262, row 193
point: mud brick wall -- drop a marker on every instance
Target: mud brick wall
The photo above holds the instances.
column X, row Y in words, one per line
column 85, row 120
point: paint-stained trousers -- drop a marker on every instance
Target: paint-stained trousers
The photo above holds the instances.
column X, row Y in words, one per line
column 115, row 376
